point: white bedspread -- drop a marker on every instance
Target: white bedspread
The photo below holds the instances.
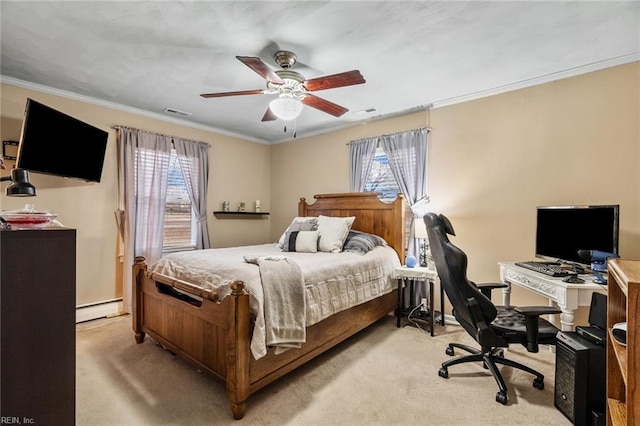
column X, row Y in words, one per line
column 333, row 281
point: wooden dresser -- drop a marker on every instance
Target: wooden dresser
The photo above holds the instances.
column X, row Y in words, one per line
column 37, row 326
column 623, row 362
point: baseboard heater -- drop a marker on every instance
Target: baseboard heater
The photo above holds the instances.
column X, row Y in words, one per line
column 104, row 309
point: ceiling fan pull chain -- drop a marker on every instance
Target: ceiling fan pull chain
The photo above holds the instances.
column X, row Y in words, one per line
column 295, row 131
column 285, row 128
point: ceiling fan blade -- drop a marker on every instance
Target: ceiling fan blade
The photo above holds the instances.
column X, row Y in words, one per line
column 324, row 105
column 269, row 115
column 348, row 78
column 261, row 68
column 242, row 92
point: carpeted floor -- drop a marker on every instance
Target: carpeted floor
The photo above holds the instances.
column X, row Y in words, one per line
column 382, row 376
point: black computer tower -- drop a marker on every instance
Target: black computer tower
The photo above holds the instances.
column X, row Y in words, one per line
column 580, row 379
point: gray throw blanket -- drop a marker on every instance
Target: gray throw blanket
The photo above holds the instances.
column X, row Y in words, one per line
column 284, row 301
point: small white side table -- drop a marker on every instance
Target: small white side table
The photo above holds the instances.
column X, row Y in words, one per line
column 422, row 274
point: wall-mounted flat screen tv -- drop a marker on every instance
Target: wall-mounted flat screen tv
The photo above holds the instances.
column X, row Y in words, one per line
column 563, row 230
column 57, row 144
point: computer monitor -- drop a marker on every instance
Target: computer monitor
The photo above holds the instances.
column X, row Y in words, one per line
column 563, row 230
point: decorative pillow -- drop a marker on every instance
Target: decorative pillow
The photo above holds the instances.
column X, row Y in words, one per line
column 333, row 232
column 361, row 242
column 299, row 224
column 301, row 241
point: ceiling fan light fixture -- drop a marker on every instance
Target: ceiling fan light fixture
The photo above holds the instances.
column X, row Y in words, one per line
column 286, row 108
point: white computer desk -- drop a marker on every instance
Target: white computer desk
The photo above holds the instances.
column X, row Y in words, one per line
column 568, row 297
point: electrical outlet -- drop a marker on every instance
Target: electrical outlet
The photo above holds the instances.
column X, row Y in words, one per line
column 423, row 307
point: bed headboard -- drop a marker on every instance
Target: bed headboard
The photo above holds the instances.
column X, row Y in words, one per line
column 372, row 215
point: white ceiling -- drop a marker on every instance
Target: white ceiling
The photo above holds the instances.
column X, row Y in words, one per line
column 148, row 56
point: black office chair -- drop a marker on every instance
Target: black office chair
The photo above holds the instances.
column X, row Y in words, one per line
column 493, row 327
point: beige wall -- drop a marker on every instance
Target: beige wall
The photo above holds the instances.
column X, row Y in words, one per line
column 239, row 171
column 493, row 160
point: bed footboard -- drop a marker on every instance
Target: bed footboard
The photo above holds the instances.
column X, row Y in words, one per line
column 212, row 334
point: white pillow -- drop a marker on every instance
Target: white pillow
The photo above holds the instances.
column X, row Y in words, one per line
column 301, row 241
column 299, row 223
column 333, row 232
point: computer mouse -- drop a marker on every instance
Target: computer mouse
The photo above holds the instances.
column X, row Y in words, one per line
column 571, row 279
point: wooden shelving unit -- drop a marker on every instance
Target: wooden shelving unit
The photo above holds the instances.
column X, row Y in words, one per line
column 623, row 362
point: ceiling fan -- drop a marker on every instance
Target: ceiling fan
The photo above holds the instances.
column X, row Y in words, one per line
column 292, row 88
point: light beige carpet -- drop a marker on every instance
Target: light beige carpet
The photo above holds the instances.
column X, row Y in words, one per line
column 382, row 376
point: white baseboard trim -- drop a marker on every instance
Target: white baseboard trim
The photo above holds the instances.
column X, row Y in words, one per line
column 108, row 308
column 450, row 320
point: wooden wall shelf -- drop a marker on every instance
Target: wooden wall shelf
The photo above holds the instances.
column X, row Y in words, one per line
column 223, row 214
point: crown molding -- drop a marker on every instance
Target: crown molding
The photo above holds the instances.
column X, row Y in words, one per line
column 112, row 105
column 571, row 72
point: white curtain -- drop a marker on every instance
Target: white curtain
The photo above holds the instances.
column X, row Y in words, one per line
column 407, row 155
column 194, row 162
column 143, row 163
column 361, row 154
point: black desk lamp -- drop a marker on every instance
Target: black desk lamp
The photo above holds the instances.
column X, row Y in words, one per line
column 20, row 185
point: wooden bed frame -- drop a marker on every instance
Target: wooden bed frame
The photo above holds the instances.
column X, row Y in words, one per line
column 214, row 335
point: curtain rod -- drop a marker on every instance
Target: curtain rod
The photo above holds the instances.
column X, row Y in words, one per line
column 428, row 129
column 118, row 127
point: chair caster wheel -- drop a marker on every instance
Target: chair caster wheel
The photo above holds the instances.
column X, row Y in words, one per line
column 501, row 397
column 538, row 383
column 449, row 351
column 443, row 373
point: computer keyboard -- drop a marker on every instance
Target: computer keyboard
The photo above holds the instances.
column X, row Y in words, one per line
column 553, row 270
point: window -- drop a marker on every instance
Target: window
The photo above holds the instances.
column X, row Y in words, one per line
column 179, row 228
column 179, row 219
column 380, row 178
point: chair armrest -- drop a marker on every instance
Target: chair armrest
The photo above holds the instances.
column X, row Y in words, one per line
column 485, row 288
column 531, row 317
column 491, row 285
column 537, row 310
